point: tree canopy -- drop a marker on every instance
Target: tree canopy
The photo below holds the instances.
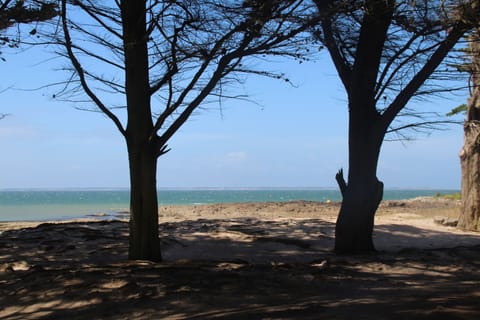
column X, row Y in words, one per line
column 196, row 49
column 20, row 11
column 418, row 33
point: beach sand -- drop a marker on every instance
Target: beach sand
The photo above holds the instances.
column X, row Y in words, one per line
column 244, row 261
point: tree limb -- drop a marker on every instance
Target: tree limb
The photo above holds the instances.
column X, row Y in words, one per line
column 81, row 73
column 341, row 182
column 425, row 72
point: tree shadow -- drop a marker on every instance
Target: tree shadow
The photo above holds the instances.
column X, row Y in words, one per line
column 248, row 240
column 266, row 269
column 396, row 237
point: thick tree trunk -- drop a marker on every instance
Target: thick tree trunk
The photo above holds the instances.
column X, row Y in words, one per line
column 355, row 222
column 470, row 161
column 363, row 192
column 144, row 240
column 470, row 153
column 142, row 141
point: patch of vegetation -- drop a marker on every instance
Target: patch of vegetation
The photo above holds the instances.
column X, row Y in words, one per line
column 450, row 196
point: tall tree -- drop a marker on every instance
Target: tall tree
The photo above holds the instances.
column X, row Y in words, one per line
column 384, row 52
column 148, row 65
column 470, row 153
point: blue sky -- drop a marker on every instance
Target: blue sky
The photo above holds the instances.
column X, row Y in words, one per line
column 291, row 137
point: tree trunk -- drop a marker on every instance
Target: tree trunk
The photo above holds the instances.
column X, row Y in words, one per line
column 363, row 192
column 354, row 227
column 470, row 153
column 470, row 161
column 144, row 240
column 142, row 141
column 355, row 222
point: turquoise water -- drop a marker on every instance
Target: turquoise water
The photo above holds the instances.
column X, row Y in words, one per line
column 65, row 204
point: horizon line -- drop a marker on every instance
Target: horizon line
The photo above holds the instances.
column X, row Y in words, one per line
column 330, row 188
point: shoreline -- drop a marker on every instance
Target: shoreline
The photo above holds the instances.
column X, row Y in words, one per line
column 65, row 205
column 424, row 207
column 117, row 215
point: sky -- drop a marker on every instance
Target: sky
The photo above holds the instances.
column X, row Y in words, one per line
column 291, row 137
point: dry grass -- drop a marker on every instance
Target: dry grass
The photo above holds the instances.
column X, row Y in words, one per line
column 423, row 207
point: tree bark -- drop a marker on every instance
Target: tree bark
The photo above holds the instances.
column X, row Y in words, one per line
column 363, row 192
column 470, row 162
column 355, row 222
column 470, row 153
column 144, row 240
column 361, row 198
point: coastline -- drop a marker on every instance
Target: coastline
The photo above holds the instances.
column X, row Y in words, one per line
column 43, row 205
column 187, row 211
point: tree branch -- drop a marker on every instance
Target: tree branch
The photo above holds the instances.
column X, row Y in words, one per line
column 80, row 72
column 341, row 182
column 343, row 69
column 425, row 72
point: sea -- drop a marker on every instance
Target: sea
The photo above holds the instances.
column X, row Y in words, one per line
column 43, row 205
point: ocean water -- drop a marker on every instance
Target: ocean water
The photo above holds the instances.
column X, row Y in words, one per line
column 40, row 205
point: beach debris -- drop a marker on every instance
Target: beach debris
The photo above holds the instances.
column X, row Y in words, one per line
column 445, row 221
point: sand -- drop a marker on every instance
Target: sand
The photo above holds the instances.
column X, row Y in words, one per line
column 244, row 261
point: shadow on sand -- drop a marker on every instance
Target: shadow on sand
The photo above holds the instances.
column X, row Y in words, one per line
column 233, row 269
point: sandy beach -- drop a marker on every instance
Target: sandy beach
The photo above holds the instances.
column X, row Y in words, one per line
column 244, row 261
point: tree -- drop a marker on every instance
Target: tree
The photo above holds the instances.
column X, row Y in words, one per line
column 148, row 65
column 470, row 153
column 384, row 52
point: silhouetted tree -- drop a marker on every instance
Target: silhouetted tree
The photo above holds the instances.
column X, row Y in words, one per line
column 148, row 65
column 384, row 52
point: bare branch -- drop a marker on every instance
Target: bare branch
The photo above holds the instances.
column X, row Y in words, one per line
column 341, row 182
column 417, row 81
column 96, row 12
column 81, row 74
